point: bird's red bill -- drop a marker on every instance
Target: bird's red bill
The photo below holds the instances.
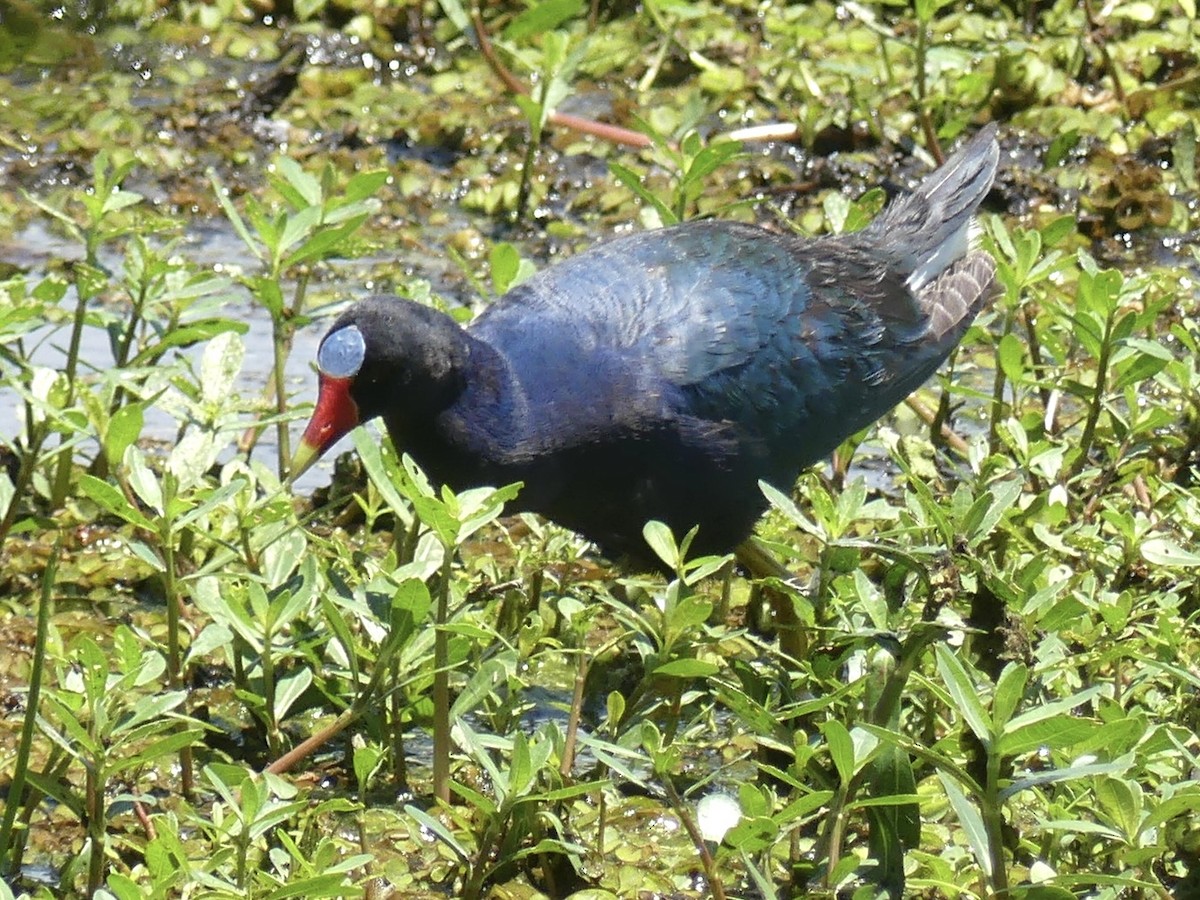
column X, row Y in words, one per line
column 335, row 415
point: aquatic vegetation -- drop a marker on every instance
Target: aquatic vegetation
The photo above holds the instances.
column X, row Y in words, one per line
column 211, row 686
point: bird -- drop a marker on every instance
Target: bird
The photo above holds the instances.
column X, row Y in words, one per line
column 663, row 374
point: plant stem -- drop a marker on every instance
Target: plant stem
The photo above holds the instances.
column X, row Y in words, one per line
column 268, row 674
column 284, row 333
column 568, row 755
column 835, row 828
column 1097, row 399
column 120, row 361
column 441, row 684
column 706, row 860
column 994, row 822
column 1037, row 364
column 611, row 133
column 998, row 382
column 174, row 604
column 793, row 637
column 366, row 699
column 931, row 141
column 527, row 173
column 62, row 475
column 94, row 802
column 16, row 789
column 399, row 764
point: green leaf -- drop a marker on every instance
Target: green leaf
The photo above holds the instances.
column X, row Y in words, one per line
column 148, row 708
column 326, row 242
column 289, row 689
column 992, row 506
column 633, row 183
column 687, row 668
column 658, row 535
column 297, row 227
column 543, row 17
column 1166, row 552
column 124, row 428
column 897, row 826
column 304, row 184
column 841, row 748
column 480, row 803
column 1148, row 359
column 1058, row 229
column 520, row 768
column 211, row 500
column 477, row 507
column 227, row 607
column 710, row 159
column 219, row 367
column 120, row 200
column 187, row 335
column 972, row 823
column 689, row 612
column 120, row 886
column 366, row 761
column 269, row 294
column 371, row 454
column 965, row 694
column 1065, row 706
column 70, row 225
column 191, row 458
column 504, row 263
column 1041, row 892
column 212, row 637
column 1010, row 354
column 1055, row 733
column 1184, row 803
column 146, row 555
column 364, row 185
column 112, row 500
column 788, row 507
column 1010, row 690
column 1122, row 799
column 614, row 707
column 142, row 479
column 1053, row 776
column 457, row 14
column 235, row 218
column 410, row 605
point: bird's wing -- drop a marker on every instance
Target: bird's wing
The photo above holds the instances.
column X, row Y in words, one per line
column 686, row 301
column 785, row 344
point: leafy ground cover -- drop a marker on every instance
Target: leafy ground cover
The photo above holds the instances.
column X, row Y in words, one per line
column 214, row 688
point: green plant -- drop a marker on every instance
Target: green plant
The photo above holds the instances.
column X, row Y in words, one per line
column 517, row 820
column 451, row 519
column 109, row 713
column 692, row 164
column 317, row 221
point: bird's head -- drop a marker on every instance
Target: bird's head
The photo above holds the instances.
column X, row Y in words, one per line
column 382, row 357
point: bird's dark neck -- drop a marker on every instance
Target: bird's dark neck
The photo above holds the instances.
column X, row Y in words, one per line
column 460, row 440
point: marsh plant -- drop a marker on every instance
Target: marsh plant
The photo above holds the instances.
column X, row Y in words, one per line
column 216, row 687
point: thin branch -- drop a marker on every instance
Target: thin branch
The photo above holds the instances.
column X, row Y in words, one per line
column 929, row 417
column 614, row 134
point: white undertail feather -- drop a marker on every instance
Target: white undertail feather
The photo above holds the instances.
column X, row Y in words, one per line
column 932, row 228
column 957, row 245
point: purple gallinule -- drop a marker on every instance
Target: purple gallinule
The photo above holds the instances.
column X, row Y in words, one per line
column 661, row 375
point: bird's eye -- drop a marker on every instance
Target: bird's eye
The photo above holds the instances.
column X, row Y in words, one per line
column 342, row 353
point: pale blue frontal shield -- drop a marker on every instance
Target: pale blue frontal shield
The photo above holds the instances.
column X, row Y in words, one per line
column 342, row 353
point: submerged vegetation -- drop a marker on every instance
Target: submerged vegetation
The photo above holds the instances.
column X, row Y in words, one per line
column 215, row 687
